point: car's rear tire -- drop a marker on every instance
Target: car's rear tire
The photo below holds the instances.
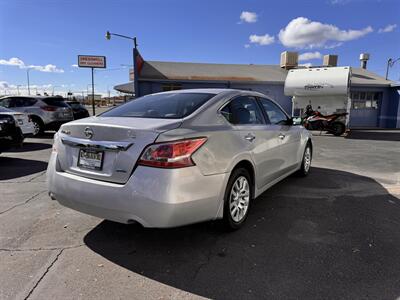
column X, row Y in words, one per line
column 38, row 126
column 306, row 161
column 238, row 195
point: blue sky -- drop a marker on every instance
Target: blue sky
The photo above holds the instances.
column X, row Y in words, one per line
column 47, row 35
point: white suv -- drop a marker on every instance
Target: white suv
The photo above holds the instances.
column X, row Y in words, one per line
column 46, row 113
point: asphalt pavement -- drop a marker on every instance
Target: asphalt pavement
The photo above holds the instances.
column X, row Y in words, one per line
column 332, row 235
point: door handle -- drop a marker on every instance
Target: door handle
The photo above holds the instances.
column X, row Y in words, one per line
column 250, row 137
column 281, row 136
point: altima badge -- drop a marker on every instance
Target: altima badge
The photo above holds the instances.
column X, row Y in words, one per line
column 88, row 132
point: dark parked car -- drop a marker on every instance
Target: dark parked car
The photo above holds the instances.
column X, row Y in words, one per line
column 78, row 110
column 10, row 133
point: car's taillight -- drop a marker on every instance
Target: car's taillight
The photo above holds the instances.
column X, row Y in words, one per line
column 177, row 154
column 49, row 108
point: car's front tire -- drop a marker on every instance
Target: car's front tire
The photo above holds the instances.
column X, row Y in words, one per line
column 237, row 199
column 306, row 161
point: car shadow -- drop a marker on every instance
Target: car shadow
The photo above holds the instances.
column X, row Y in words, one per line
column 45, row 135
column 332, row 234
column 30, row 146
column 11, row 167
column 382, row 135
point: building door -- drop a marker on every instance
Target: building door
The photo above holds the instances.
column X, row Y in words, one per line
column 364, row 109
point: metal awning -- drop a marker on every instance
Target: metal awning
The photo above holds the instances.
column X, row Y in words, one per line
column 125, row 88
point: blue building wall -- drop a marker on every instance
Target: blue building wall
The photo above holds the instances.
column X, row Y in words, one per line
column 386, row 116
column 273, row 91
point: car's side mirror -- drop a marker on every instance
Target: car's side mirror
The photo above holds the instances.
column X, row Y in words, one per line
column 289, row 122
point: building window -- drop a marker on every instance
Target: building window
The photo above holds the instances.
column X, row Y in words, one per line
column 362, row 100
column 171, row 87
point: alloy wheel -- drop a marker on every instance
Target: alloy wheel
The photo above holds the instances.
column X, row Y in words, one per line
column 239, row 199
column 36, row 128
column 307, row 159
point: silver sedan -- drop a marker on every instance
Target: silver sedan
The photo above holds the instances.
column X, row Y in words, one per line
column 176, row 158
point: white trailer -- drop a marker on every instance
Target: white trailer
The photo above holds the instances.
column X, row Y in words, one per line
column 325, row 88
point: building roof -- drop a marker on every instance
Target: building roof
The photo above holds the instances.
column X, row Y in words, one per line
column 364, row 77
column 183, row 71
column 212, row 72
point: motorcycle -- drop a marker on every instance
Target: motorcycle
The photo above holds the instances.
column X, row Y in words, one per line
column 314, row 120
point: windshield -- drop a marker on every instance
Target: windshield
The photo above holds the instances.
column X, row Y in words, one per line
column 162, row 106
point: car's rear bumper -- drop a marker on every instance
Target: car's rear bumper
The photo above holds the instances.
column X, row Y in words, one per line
column 153, row 197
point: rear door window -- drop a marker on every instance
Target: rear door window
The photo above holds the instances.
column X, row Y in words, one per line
column 23, row 101
column 28, row 101
column 243, row 110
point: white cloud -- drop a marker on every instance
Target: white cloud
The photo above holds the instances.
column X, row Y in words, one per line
column 309, row 56
column 14, row 61
column 262, row 40
column 388, row 28
column 248, row 17
column 75, row 66
column 247, row 46
column 47, row 68
column 4, row 85
column 304, row 33
column 307, row 65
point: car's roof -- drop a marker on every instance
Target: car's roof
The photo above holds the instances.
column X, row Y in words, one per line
column 215, row 91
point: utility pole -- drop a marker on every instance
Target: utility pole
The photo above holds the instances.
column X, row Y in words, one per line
column 390, row 64
column 93, row 106
column 27, row 75
column 135, row 54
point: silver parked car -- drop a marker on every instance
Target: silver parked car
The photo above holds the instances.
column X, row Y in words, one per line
column 176, row 158
column 46, row 113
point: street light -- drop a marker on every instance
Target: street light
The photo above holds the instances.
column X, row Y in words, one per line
column 27, row 76
column 135, row 52
column 390, row 64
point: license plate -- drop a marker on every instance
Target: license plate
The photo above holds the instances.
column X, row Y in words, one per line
column 90, row 159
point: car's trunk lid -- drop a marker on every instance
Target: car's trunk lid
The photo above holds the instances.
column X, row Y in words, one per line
column 116, row 144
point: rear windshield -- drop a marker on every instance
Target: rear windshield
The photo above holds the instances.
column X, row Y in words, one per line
column 55, row 102
column 161, row 106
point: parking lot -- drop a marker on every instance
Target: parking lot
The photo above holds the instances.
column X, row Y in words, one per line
column 334, row 234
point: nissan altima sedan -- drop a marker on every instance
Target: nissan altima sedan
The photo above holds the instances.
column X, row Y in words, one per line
column 176, row 158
